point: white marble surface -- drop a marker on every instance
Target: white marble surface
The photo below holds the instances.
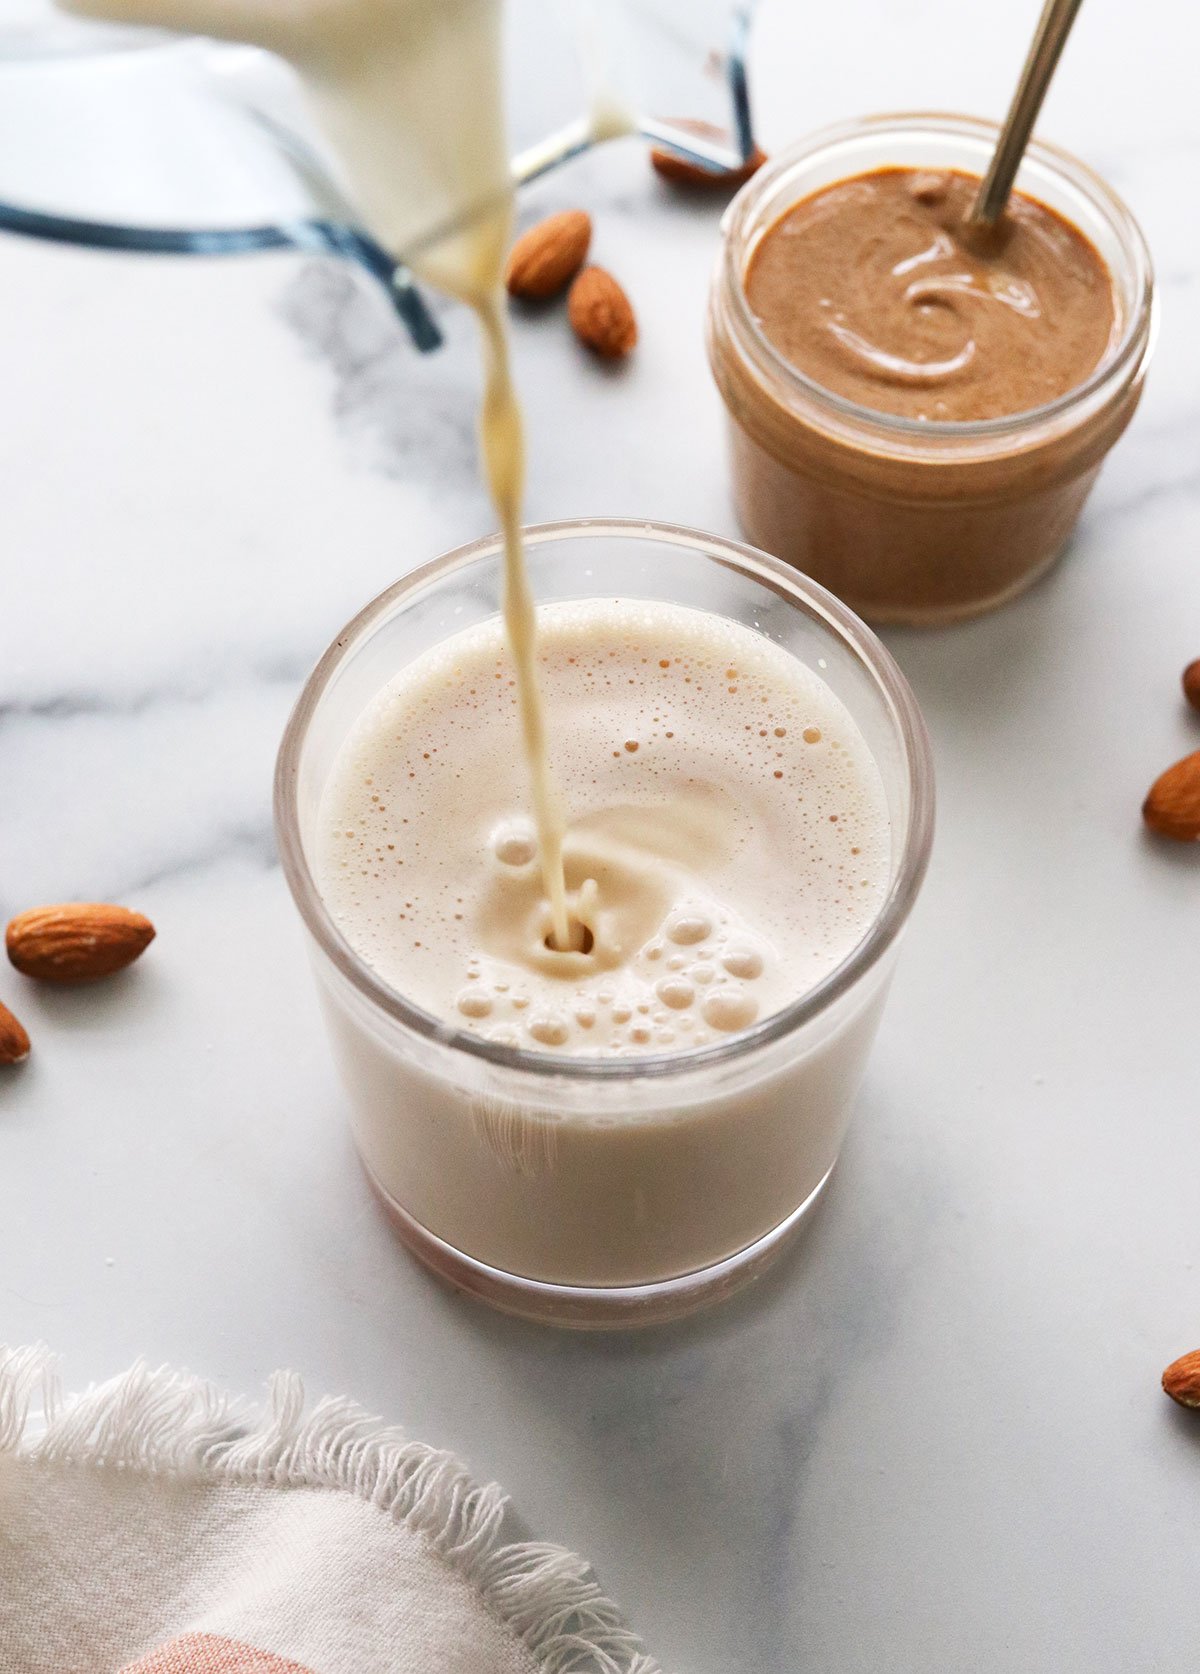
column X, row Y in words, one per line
column 933, row 1440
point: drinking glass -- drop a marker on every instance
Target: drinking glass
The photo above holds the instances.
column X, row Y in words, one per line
column 597, row 1191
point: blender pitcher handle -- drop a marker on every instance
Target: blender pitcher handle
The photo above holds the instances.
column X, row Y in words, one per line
column 316, row 237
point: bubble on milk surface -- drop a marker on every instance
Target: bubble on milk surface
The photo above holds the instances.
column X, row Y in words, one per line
column 743, row 961
column 514, row 843
column 686, row 928
column 676, row 992
column 475, row 1003
column 550, row 1028
column 729, row 1009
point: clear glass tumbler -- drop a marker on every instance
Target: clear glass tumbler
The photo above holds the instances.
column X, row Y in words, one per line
column 916, row 521
column 597, row 1192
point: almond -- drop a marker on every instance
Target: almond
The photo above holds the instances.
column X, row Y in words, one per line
column 1173, row 805
column 601, row 314
column 1181, row 1380
column 14, row 1042
column 77, row 941
column 543, row 259
column 1191, row 683
column 680, row 172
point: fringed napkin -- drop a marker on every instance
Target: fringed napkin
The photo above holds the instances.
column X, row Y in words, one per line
column 153, row 1526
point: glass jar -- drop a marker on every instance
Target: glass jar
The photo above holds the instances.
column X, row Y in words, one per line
column 916, row 521
column 600, row 1191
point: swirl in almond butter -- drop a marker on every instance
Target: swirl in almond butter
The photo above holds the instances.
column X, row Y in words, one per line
column 877, row 288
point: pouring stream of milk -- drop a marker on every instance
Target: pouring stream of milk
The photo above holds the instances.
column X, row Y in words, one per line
column 409, row 93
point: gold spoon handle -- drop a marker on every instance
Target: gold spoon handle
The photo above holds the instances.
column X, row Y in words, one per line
column 1050, row 37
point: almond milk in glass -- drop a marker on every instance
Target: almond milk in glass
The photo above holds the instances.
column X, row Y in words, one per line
column 635, row 1131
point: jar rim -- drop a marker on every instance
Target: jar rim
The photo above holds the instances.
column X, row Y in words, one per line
column 806, row 595
column 1112, row 369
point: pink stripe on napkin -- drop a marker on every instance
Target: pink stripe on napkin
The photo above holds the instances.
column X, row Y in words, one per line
column 205, row 1653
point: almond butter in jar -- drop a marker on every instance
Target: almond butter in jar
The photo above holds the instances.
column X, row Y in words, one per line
column 908, row 515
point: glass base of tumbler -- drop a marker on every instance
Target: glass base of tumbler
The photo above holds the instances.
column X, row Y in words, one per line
column 599, row 1307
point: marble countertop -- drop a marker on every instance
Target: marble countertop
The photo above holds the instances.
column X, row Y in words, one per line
column 931, row 1440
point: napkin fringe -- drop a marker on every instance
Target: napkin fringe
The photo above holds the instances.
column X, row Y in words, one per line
column 166, row 1422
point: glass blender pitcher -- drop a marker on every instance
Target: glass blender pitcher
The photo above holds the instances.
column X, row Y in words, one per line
column 120, row 138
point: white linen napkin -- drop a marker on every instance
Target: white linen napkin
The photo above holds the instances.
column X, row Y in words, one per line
column 154, row 1526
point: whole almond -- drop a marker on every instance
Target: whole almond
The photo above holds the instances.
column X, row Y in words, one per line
column 601, row 314
column 680, row 172
column 14, row 1042
column 1172, row 808
column 543, row 259
column 77, row 941
column 1191, row 683
column 1181, row 1380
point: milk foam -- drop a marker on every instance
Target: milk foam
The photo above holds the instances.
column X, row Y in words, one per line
column 728, row 842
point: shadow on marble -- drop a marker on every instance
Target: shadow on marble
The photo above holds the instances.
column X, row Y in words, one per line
column 1185, row 1426
column 966, row 672
column 1171, row 856
column 691, row 1444
column 91, row 1007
